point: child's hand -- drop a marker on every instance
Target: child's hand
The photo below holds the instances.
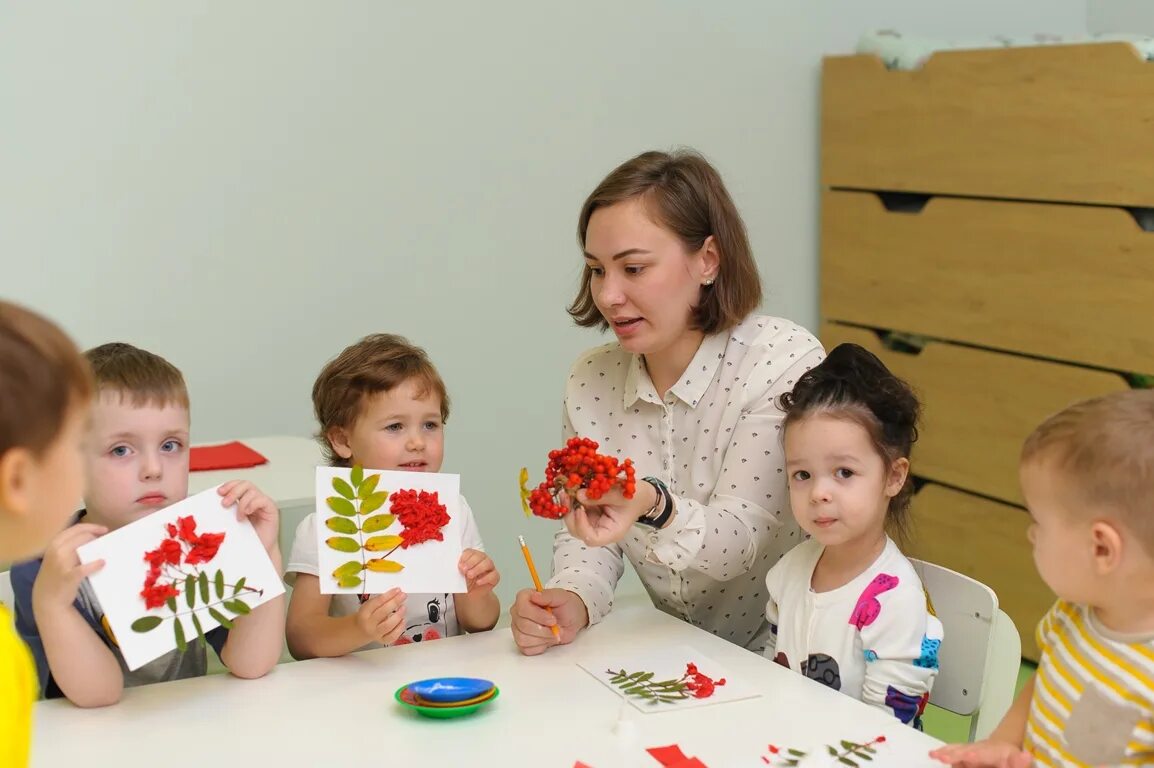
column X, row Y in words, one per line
column 382, row 617
column 479, row 571
column 983, row 754
column 252, row 504
column 61, row 572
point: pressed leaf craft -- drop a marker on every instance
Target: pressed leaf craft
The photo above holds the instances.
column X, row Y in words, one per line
column 174, row 569
column 362, row 528
column 847, row 753
column 576, row 466
column 693, row 684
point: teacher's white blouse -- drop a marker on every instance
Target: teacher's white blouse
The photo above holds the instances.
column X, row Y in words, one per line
column 715, row 441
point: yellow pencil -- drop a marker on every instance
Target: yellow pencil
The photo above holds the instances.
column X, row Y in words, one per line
column 536, row 580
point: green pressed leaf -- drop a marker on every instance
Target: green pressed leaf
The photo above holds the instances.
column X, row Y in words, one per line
column 343, row 544
column 204, row 587
column 847, row 761
column 368, row 486
column 646, row 694
column 341, row 525
column 343, row 488
column 221, row 619
column 377, row 565
column 832, row 751
column 341, row 506
column 634, row 689
column 146, row 623
column 351, row 568
column 846, row 744
column 239, row 585
column 239, row 607
column 178, row 630
column 383, row 543
column 373, row 502
column 190, row 591
column 218, row 583
column 349, row 581
column 377, row 523
column 199, row 629
column 636, row 675
column 646, row 677
column 792, row 763
column 797, row 752
column 862, row 756
column 171, row 603
column 357, row 475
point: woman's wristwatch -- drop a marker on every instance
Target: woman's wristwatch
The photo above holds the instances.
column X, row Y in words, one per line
column 662, row 509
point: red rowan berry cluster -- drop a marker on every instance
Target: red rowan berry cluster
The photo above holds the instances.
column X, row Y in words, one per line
column 577, row 465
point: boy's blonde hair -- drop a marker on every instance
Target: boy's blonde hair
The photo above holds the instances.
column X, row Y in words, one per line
column 377, row 363
column 42, row 376
column 1104, row 448
column 146, row 379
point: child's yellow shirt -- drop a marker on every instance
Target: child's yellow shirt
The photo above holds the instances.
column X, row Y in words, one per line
column 17, row 694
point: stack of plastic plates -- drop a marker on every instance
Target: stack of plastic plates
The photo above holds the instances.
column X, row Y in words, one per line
column 447, row 696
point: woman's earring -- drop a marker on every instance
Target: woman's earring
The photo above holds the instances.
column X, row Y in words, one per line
column 708, row 282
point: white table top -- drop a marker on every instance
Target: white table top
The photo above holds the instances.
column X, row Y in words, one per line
column 289, row 477
column 551, row 712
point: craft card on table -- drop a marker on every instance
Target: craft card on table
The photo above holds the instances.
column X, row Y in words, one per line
column 179, row 572
column 379, row 529
column 665, row 678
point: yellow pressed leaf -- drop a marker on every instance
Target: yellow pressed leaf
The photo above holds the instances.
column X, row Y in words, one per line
column 351, row 568
column 341, row 506
column 343, row 488
column 343, row 544
column 373, row 502
column 383, row 566
column 341, row 525
column 377, row 523
column 368, row 486
column 382, row 543
column 349, row 581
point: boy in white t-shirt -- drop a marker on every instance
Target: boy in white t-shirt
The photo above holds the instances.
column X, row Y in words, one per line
column 381, row 404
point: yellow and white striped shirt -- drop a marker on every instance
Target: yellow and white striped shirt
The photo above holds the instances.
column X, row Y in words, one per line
column 1093, row 701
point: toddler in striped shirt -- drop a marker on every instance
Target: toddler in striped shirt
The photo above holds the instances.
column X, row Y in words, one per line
column 1087, row 474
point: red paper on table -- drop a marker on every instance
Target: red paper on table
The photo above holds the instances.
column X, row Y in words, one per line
column 673, row 757
column 234, row 455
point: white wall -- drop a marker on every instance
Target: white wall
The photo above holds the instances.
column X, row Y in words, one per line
column 247, row 187
column 1133, row 16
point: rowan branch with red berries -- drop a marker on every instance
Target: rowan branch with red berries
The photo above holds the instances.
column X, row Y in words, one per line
column 166, row 579
column 576, row 466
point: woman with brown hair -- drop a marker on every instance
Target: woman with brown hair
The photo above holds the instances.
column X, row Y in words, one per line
column 688, row 392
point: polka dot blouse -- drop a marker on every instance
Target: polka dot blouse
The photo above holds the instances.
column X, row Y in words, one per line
column 715, row 441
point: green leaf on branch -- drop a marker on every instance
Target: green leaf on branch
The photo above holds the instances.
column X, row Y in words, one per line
column 221, row 619
column 343, row 488
column 341, row 506
column 146, row 623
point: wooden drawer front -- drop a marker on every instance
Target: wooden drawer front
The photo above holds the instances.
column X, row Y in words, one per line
column 978, row 406
column 986, row 541
column 1062, row 123
column 1066, row 282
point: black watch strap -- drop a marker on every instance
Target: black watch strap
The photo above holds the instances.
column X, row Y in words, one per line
column 662, row 510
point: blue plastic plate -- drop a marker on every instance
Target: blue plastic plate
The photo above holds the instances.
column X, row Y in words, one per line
column 450, row 689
